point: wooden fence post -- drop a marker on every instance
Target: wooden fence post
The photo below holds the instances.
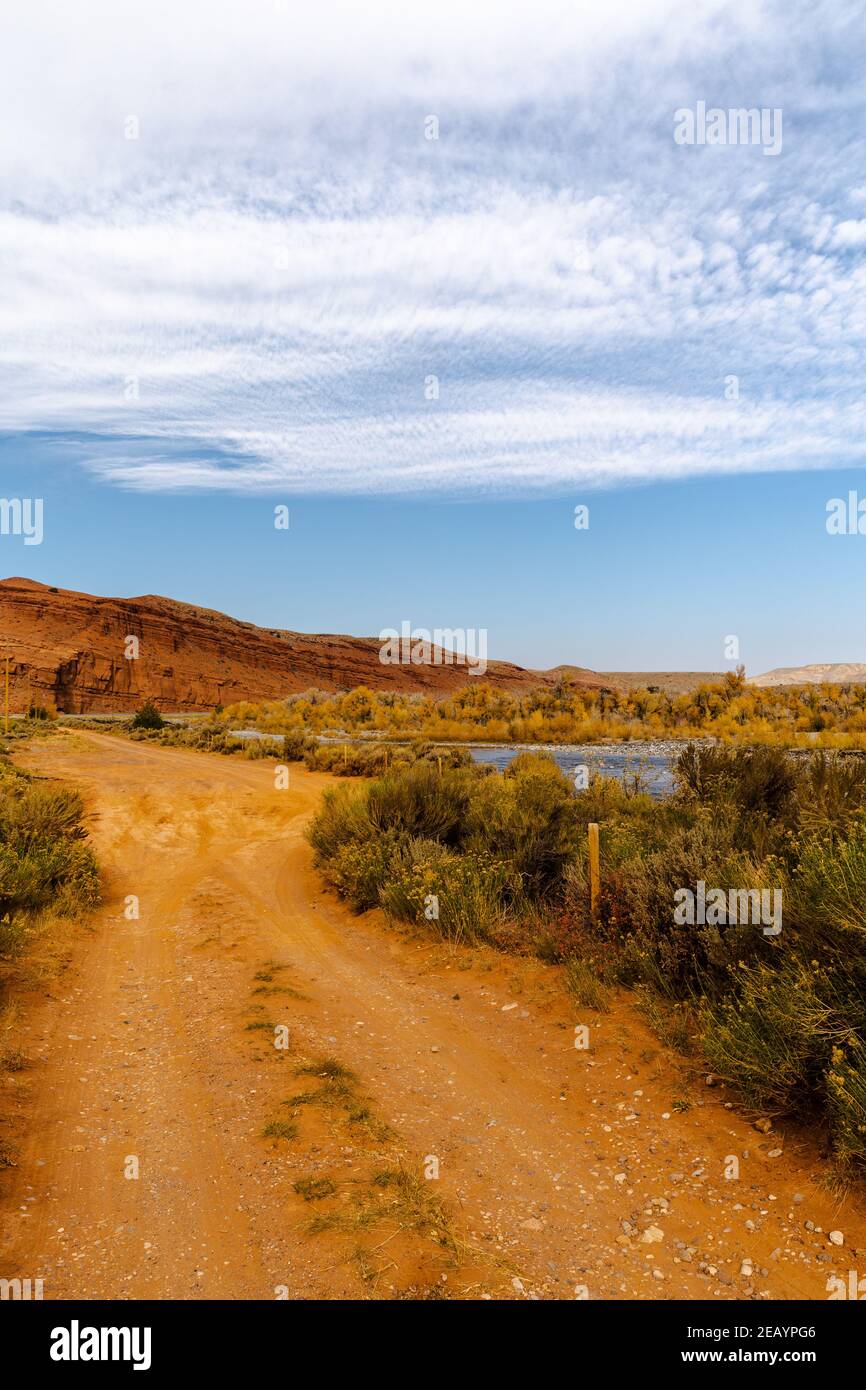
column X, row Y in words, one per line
column 594, row 871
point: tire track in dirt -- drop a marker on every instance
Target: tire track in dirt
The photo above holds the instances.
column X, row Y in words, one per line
column 565, row 1170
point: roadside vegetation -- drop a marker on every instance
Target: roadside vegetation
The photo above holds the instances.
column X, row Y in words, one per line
column 473, row 855
column 341, row 759
column 831, row 716
column 48, row 874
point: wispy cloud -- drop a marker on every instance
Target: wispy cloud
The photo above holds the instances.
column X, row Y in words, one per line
column 282, row 284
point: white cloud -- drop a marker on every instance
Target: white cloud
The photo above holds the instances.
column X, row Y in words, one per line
column 255, row 291
column 850, row 233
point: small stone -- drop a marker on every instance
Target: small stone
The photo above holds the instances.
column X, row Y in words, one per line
column 651, row 1235
column 775, row 1153
column 837, row 1238
column 763, row 1126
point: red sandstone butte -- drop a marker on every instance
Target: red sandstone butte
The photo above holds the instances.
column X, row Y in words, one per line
column 66, row 649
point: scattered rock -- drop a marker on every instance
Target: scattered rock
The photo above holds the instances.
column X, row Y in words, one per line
column 651, row 1235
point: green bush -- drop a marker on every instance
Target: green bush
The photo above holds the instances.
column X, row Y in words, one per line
column 360, row 760
column 148, row 717
column 44, row 862
column 461, row 897
column 40, row 714
column 341, row 819
column 526, row 818
column 831, row 793
column 359, row 869
column 294, row 748
column 846, row 1099
column 31, row 812
column 421, row 803
column 772, row 1036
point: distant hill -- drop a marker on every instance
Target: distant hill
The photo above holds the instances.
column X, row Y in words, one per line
column 835, row 672
column 67, row 649
column 671, row 682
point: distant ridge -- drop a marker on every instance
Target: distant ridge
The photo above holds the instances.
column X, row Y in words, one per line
column 833, row 672
column 67, row 649
column 671, row 682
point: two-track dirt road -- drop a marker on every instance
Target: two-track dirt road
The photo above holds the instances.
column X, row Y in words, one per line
column 562, row 1169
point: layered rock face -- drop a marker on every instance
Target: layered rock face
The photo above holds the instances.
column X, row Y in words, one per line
column 69, row 649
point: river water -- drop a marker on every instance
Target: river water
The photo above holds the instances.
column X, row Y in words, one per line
column 651, row 762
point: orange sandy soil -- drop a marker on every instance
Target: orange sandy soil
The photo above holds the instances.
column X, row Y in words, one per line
column 560, row 1169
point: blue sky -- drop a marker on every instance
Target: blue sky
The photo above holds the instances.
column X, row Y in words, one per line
column 664, row 573
column 280, row 290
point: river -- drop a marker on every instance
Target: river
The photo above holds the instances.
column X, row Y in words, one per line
column 652, row 761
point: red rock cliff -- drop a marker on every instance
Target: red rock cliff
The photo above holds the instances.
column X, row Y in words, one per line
column 67, row 649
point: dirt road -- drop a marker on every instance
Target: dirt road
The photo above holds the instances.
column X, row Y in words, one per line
column 137, row 1125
